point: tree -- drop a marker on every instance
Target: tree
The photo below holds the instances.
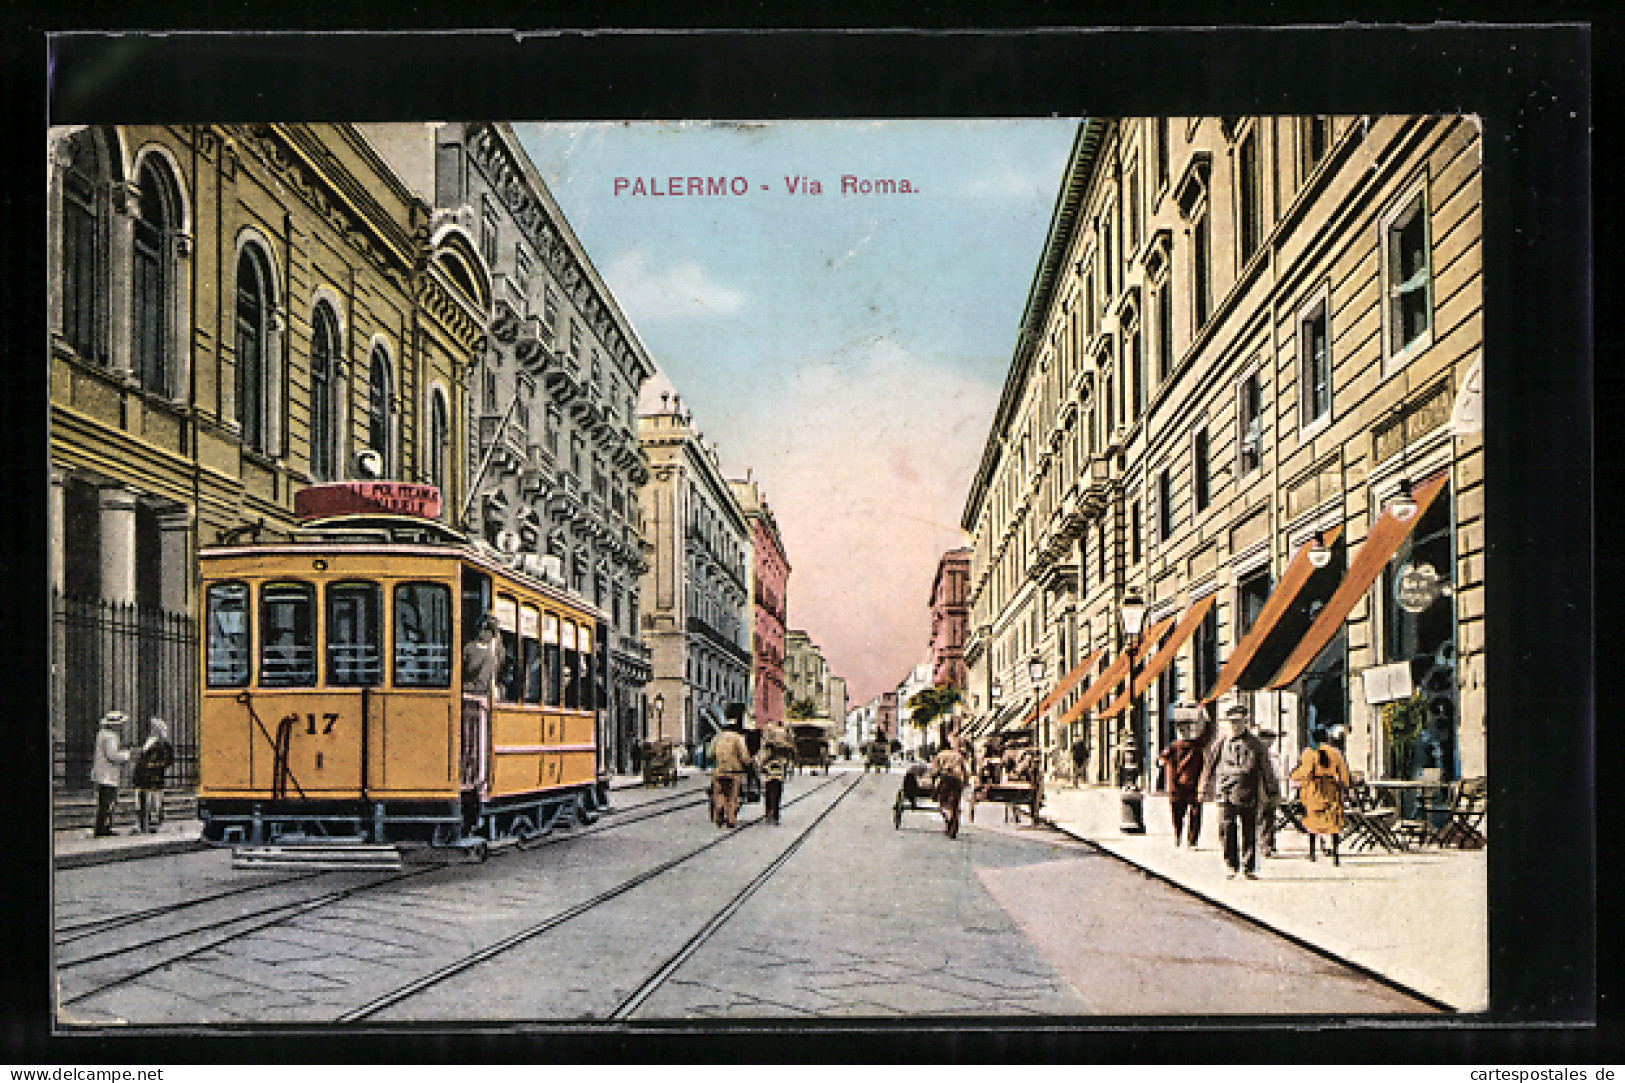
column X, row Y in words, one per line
column 929, row 704
column 802, row 709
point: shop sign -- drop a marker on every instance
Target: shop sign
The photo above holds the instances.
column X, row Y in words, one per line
column 367, row 498
column 1384, row 684
column 1417, row 587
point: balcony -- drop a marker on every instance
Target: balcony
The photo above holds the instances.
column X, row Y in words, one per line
column 717, row 639
column 509, row 439
column 532, row 346
column 538, row 470
column 563, row 377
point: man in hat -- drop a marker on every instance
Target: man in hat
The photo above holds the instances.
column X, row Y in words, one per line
column 104, row 769
column 148, row 777
column 730, row 758
column 1182, row 764
column 777, row 756
column 1242, row 781
column 951, row 771
column 482, row 661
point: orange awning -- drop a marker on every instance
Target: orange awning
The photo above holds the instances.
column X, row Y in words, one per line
column 1159, row 661
column 1297, row 573
column 1375, row 552
column 1063, row 688
column 1114, row 673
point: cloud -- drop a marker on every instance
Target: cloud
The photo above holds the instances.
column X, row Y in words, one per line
column 1005, row 181
column 677, row 293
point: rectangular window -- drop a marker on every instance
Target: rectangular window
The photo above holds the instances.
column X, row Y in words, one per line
column 1251, row 593
column 287, row 635
column 1106, row 266
column 1161, row 137
column 509, row 674
column 575, row 341
column 476, row 602
column 1201, row 287
column 572, row 667
column 79, row 264
column 1135, row 526
column 148, row 286
column 1165, row 331
column 550, row 311
column 228, row 635
column 1199, row 471
column 552, row 661
column 530, row 654
column 1316, row 142
column 1165, row 506
column 1136, row 365
column 354, row 635
column 1103, row 572
column 422, row 635
column 1205, row 653
column 1409, row 277
column 1132, row 210
column 589, row 669
column 1315, row 366
column 1249, row 195
column 488, row 233
column 521, row 263
column 1249, row 425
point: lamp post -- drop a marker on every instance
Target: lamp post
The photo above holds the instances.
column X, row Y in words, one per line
column 1035, row 673
column 660, row 716
column 1132, row 614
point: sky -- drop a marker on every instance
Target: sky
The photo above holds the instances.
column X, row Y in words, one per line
column 847, row 348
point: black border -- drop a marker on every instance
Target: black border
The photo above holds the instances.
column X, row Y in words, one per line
column 1532, row 87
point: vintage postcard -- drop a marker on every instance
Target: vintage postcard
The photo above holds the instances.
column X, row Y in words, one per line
column 805, row 571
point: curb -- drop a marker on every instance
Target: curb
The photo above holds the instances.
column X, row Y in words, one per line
column 155, row 848
column 1253, row 919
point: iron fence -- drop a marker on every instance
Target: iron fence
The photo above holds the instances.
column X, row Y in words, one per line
column 141, row 660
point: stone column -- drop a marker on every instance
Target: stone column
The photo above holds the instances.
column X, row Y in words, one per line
column 125, row 204
column 175, row 562
column 117, row 506
column 118, row 659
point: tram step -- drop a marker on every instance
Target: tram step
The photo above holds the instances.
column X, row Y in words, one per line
column 325, row 855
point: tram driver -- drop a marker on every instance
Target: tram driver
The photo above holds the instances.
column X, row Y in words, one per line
column 482, row 661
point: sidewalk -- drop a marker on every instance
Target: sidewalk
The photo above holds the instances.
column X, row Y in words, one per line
column 75, row 847
column 1419, row 919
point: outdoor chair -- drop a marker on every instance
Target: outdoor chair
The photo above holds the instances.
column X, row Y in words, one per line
column 1463, row 829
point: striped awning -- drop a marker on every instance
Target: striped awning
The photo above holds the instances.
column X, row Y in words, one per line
column 1114, row 673
column 1077, row 674
column 1159, row 661
column 1297, row 575
column 1375, row 552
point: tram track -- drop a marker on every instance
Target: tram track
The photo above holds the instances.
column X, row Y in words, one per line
column 663, row 973
column 245, row 924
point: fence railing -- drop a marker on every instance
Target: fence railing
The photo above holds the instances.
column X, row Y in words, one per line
column 141, row 660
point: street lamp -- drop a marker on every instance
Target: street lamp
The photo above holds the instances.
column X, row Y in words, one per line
column 1403, row 506
column 1132, row 614
column 1319, row 554
column 660, row 716
column 1035, row 673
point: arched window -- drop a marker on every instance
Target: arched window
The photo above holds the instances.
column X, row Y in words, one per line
column 324, row 356
column 378, row 405
column 151, row 280
column 253, row 311
column 439, row 440
column 81, row 265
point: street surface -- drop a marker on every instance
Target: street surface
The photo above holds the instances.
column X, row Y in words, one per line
column 652, row 913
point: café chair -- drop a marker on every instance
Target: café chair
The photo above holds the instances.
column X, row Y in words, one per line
column 1464, row 828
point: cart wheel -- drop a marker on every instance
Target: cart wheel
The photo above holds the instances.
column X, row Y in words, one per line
column 897, row 811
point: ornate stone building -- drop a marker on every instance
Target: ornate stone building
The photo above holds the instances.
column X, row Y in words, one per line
column 235, row 311
column 770, row 578
column 552, row 455
column 698, row 612
column 949, row 618
column 1245, row 392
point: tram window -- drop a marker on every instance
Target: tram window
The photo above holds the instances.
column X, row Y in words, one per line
column 589, row 683
column 530, row 653
column 508, row 673
column 551, row 662
column 572, row 669
column 228, row 635
column 287, row 635
column 422, row 635
column 354, row 635
column 476, row 602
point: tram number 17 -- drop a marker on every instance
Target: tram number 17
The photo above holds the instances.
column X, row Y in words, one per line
column 330, row 717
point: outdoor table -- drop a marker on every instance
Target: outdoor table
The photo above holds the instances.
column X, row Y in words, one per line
column 1414, row 826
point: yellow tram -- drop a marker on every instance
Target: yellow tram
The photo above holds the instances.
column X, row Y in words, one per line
column 334, row 702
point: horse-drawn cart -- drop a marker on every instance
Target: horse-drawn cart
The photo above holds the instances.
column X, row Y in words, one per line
column 812, row 748
column 919, row 785
column 878, row 756
column 1009, row 775
column 659, row 764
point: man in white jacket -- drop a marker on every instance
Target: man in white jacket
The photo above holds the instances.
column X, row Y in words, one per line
column 104, row 769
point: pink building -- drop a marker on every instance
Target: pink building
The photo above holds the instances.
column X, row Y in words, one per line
column 769, row 580
column 950, row 618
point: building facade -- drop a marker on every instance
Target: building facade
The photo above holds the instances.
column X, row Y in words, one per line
column 913, row 737
column 1245, row 392
column 806, row 674
column 950, row 618
column 553, row 455
column 770, row 576
column 697, row 611
column 235, row 311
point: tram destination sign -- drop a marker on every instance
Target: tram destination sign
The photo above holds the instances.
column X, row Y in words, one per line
column 367, row 498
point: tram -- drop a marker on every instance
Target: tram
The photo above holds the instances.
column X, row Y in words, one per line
column 334, row 703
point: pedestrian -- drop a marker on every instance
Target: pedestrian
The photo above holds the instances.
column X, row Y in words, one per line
column 104, row 769
column 1323, row 781
column 778, row 752
column 482, row 662
column 148, row 778
column 1242, row 781
column 730, row 759
column 1182, row 764
column 951, row 773
column 1268, row 805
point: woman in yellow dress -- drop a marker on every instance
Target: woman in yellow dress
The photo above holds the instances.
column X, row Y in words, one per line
column 1322, row 776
